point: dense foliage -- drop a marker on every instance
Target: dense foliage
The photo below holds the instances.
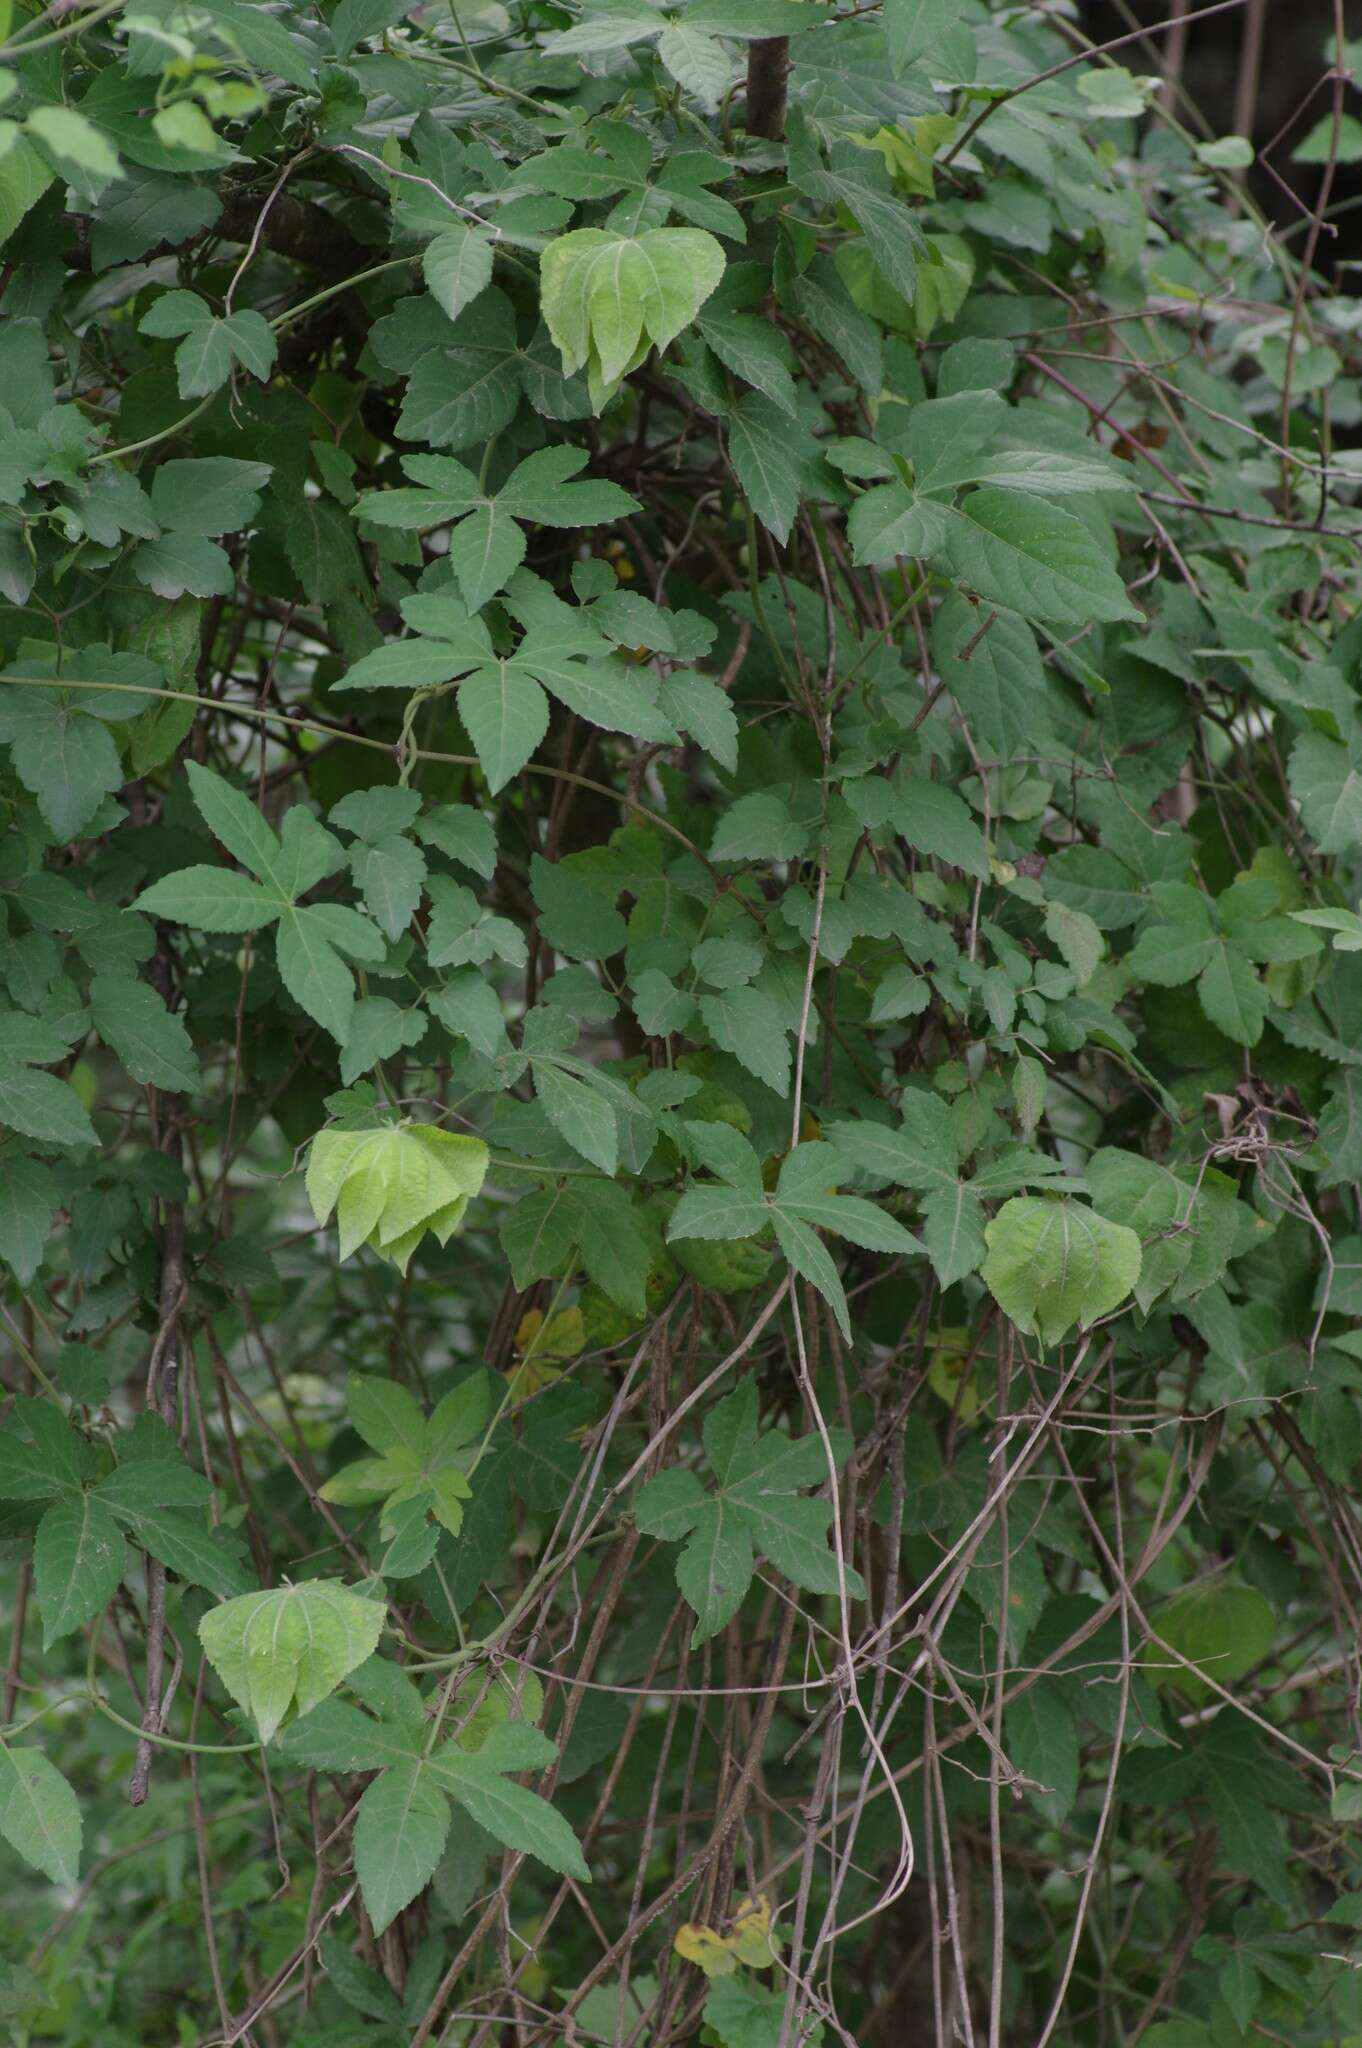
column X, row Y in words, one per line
column 681, row 1052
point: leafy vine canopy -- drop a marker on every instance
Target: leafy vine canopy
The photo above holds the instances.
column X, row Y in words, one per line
column 680, row 1118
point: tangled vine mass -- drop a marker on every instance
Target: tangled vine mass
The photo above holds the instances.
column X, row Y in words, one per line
column 680, row 1029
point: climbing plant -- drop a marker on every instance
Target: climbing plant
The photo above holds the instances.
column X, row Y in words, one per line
column 681, row 1038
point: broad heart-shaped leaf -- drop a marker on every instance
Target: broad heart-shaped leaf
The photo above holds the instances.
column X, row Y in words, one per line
column 1185, row 1220
column 292, row 1645
column 400, row 1831
column 606, row 296
column 1052, row 1262
column 39, row 1814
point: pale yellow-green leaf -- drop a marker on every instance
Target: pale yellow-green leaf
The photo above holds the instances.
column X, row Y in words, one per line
column 290, row 1646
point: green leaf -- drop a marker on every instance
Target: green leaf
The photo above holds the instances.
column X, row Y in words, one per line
column 578, row 919
column 890, row 522
column 389, row 874
column 149, row 1039
column 607, row 691
column 917, row 29
column 538, row 489
column 1232, row 996
column 400, row 1830
column 180, row 564
column 744, row 2014
column 747, row 1023
column 756, row 1509
column 695, row 704
column 208, row 495
column 24, row 177
column 997, row 680
column 290, row 1646
column 78, row 1562
column 39, row 1815
column 468, row 388
column 697, row 62
column 200, row 1555
column 770, row 459
column 857, row 179
column 485, row 551
column 1034, row 558
column 407, row 664
column 1053, row 1263
column 310, row 942
column 74, row 140
column 715, row 1569
column 466, row 835
column 211, row 900
column 580, row 1113
column 392, row 1184
column 385, row 1415
column 1340, row 1128
column 28, row 1201
column 511, row 1814
column 936, row 821
column 1041, row 1741
column 64, row 757
column 40, row 1106
column 1222, row 1629
column 457, row 264
column 1326, row 781
column 211, row 346
column 507, row 715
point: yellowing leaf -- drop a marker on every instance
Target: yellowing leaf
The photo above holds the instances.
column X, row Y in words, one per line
column 390, row 1186
column 751, row 1941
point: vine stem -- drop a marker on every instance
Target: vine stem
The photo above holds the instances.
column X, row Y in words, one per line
column 356, row 739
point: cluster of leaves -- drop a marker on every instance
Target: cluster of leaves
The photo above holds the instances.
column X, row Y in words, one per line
column 762, row 603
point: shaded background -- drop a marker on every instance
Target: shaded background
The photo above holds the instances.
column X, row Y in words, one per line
column 1261, row 71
